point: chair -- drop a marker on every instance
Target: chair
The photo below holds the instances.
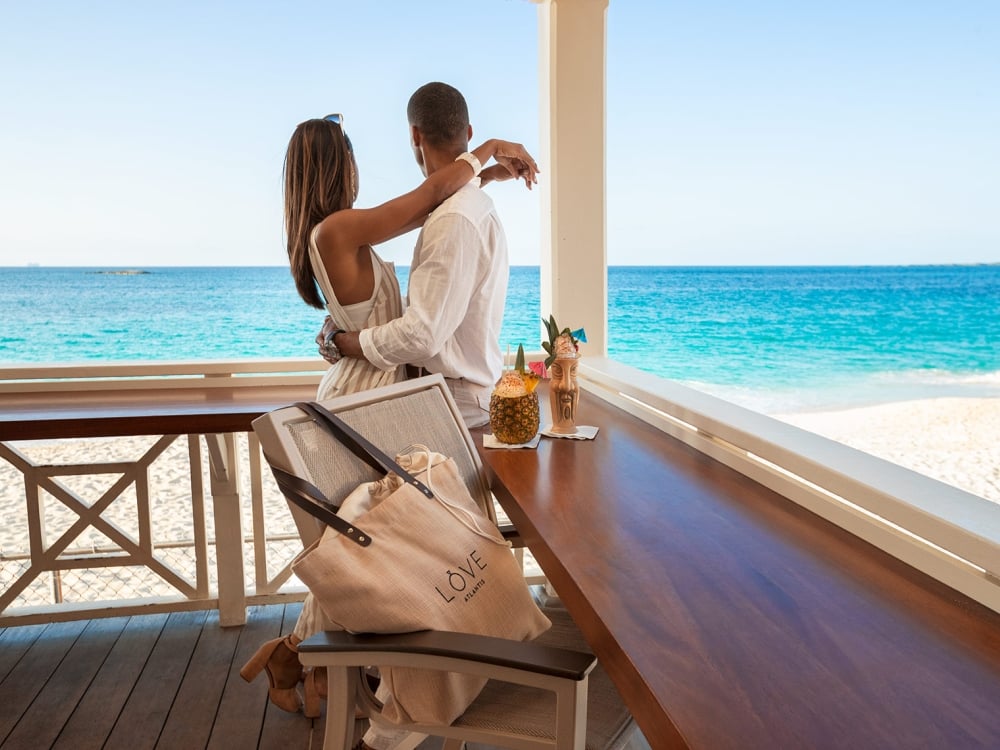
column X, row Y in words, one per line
column 547, row 693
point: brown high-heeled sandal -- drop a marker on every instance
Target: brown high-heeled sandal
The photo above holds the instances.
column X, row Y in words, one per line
column 280, row 659
column 316, row 687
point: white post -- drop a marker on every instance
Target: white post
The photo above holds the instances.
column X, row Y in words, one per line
column 572, row 73
column 225, row 479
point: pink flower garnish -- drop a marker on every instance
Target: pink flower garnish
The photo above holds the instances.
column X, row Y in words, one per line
column 539, row 369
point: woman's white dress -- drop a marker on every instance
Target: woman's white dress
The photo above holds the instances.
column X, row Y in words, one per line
column 351, row 375
column 348, row 376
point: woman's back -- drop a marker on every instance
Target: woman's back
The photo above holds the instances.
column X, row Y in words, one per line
column 350, row 375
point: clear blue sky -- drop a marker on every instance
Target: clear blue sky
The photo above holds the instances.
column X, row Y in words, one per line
column 140, row 134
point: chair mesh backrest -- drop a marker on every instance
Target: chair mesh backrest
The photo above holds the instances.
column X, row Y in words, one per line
column 392, row 424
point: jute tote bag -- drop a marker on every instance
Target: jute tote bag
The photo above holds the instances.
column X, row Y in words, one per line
column 412, row 551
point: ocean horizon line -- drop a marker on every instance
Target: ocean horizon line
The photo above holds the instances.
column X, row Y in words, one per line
column 140, row 267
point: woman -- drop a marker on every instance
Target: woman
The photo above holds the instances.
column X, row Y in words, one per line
column 330, row 242
column 332, row 261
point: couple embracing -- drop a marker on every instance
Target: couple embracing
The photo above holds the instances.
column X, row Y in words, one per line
column 455, row 299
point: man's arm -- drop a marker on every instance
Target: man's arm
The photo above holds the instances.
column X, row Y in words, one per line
column 349, row 344
column 440, row 289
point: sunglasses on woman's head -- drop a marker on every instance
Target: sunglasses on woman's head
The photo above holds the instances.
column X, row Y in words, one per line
column 338, row 119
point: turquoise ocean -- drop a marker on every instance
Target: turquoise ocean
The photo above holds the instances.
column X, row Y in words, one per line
column 775, row 339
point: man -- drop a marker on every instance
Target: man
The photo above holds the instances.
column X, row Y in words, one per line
column 458, row 276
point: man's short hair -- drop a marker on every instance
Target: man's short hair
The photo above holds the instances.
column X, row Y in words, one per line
column 440, row 113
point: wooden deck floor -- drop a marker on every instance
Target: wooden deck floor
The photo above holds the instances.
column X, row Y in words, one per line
column 169, row 682
column 152, row 681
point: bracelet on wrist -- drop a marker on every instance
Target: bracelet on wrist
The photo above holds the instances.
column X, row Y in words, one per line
column 329, row 347
column 472, row 161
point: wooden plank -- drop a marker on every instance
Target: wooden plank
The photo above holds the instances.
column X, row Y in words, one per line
column 42, row 721
column 97, row 712
column 22, row 684
column 282, row 729
column 145, row 681
column 193, row 711
column 14, row 642
column 146, row 710
column 242, row 705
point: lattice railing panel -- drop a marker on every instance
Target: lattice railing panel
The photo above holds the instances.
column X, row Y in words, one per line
column 131, row 522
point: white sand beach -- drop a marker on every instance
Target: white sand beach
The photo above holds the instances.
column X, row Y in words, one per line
column 954, row 440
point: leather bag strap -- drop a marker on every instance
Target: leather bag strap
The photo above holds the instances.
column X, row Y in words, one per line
column 308, row 497
column 342, row 432
column 311, row 499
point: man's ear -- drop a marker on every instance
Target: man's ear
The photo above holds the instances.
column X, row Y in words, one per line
column 414, row 136
column 469, row 136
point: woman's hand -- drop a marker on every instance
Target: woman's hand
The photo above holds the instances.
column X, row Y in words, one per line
column 322, row 339
column 495, row 173
column 519, row 164
column 511, row 157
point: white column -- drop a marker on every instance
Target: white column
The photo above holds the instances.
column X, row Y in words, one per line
column 572, row 72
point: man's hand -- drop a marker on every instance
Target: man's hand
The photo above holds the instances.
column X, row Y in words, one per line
column 348, row 343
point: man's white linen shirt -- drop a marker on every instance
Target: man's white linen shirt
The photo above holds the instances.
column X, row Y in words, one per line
column 455, row 296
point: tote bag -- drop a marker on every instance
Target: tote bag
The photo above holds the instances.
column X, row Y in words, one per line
column 412, row 551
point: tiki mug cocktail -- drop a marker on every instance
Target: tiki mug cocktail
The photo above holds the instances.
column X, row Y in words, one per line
column 564, row 392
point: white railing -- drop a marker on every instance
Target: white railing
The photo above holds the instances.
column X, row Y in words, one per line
column 121, row 525
column 91, row 376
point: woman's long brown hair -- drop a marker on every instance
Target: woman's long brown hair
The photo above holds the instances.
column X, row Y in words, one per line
column 319, row 164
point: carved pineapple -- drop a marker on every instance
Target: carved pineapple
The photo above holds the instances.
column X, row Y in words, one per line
column 514, row 404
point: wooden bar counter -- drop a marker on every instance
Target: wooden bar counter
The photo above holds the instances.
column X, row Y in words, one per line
column 730, row 617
